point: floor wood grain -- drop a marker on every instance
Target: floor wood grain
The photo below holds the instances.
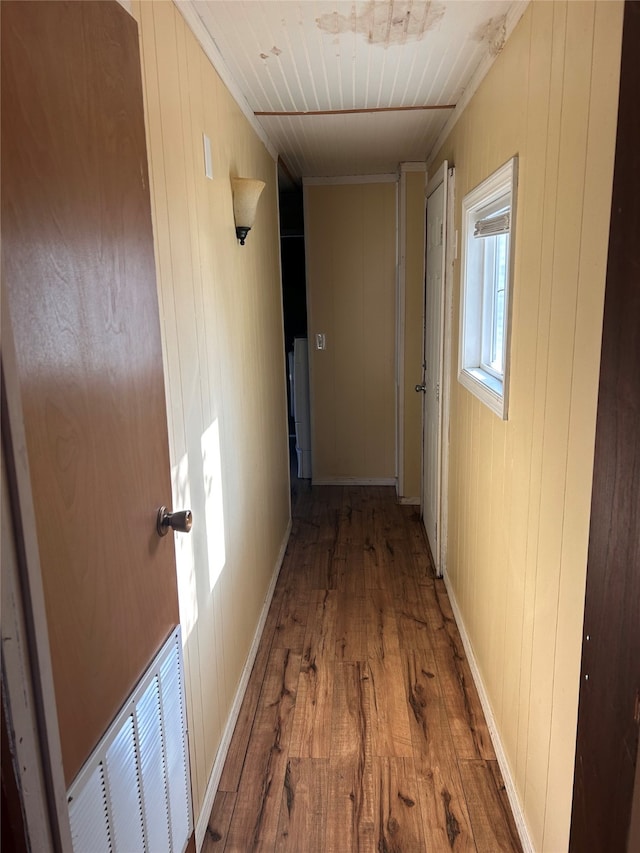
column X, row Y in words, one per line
column 361, row 729
column 304, row 807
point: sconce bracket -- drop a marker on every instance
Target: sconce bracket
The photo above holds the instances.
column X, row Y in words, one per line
column 241, row 233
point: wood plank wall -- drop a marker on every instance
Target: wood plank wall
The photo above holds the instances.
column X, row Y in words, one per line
column 221, row 317
column 520, row 490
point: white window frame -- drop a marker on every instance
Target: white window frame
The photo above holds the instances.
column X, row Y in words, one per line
column 495, row 195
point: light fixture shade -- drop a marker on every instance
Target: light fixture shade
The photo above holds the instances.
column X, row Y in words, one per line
column 246, row 192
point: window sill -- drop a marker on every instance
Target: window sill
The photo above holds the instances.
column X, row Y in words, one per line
column 486, row 388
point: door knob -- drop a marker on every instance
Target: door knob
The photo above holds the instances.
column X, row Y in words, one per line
column 179, row 521
column 422, row 388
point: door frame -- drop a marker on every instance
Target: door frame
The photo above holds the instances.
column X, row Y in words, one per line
column 404, row 385
column 445, row 174
column 451, row 254
column 606, row 785
column 27, row 669
column 634, row 828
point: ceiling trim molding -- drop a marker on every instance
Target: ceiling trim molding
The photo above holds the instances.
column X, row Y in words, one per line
column 355, row 111
column 390, row 178
column 190, row 14
column 511, row 20
column 415, row 166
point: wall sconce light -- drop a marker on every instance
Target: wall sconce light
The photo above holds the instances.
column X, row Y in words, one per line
column 246, row 192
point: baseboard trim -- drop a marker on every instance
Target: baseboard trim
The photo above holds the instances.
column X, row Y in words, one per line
column 218, row 764
column 514, row 800
column 354, row 481
column 409, row 501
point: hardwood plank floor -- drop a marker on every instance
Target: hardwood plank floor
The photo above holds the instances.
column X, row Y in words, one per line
column 361, row 730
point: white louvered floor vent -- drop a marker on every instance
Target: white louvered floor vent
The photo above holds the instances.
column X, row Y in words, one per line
column 133, row 795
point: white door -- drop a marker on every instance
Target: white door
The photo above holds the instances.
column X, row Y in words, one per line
column 433, row 359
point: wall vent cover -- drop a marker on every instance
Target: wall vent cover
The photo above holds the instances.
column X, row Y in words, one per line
column 134, row 794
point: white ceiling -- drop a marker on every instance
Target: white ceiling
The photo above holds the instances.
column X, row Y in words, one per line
column 309, row 56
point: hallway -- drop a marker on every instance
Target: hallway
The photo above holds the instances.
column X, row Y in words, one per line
column 361, row 728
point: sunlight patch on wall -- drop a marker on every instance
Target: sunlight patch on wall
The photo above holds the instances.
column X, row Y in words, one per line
column 213, row 501
column 185, row 562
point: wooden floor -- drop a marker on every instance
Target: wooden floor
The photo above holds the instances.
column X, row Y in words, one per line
column 361, row 729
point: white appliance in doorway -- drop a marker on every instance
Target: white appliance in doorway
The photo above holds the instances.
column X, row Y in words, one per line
column 301, row 406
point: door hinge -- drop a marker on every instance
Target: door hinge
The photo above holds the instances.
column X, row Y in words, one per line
column 441, row 233
column 437, row 392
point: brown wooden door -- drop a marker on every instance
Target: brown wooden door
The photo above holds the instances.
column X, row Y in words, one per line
column 79, row 283
column 609, row 712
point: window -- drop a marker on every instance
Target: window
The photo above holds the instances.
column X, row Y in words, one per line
column 488, row 214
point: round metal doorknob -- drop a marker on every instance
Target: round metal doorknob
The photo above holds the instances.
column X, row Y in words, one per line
column 422, row 388
column 181, row 521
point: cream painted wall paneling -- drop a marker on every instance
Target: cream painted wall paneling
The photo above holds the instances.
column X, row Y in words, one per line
column 223, row 345
column 519, row 491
